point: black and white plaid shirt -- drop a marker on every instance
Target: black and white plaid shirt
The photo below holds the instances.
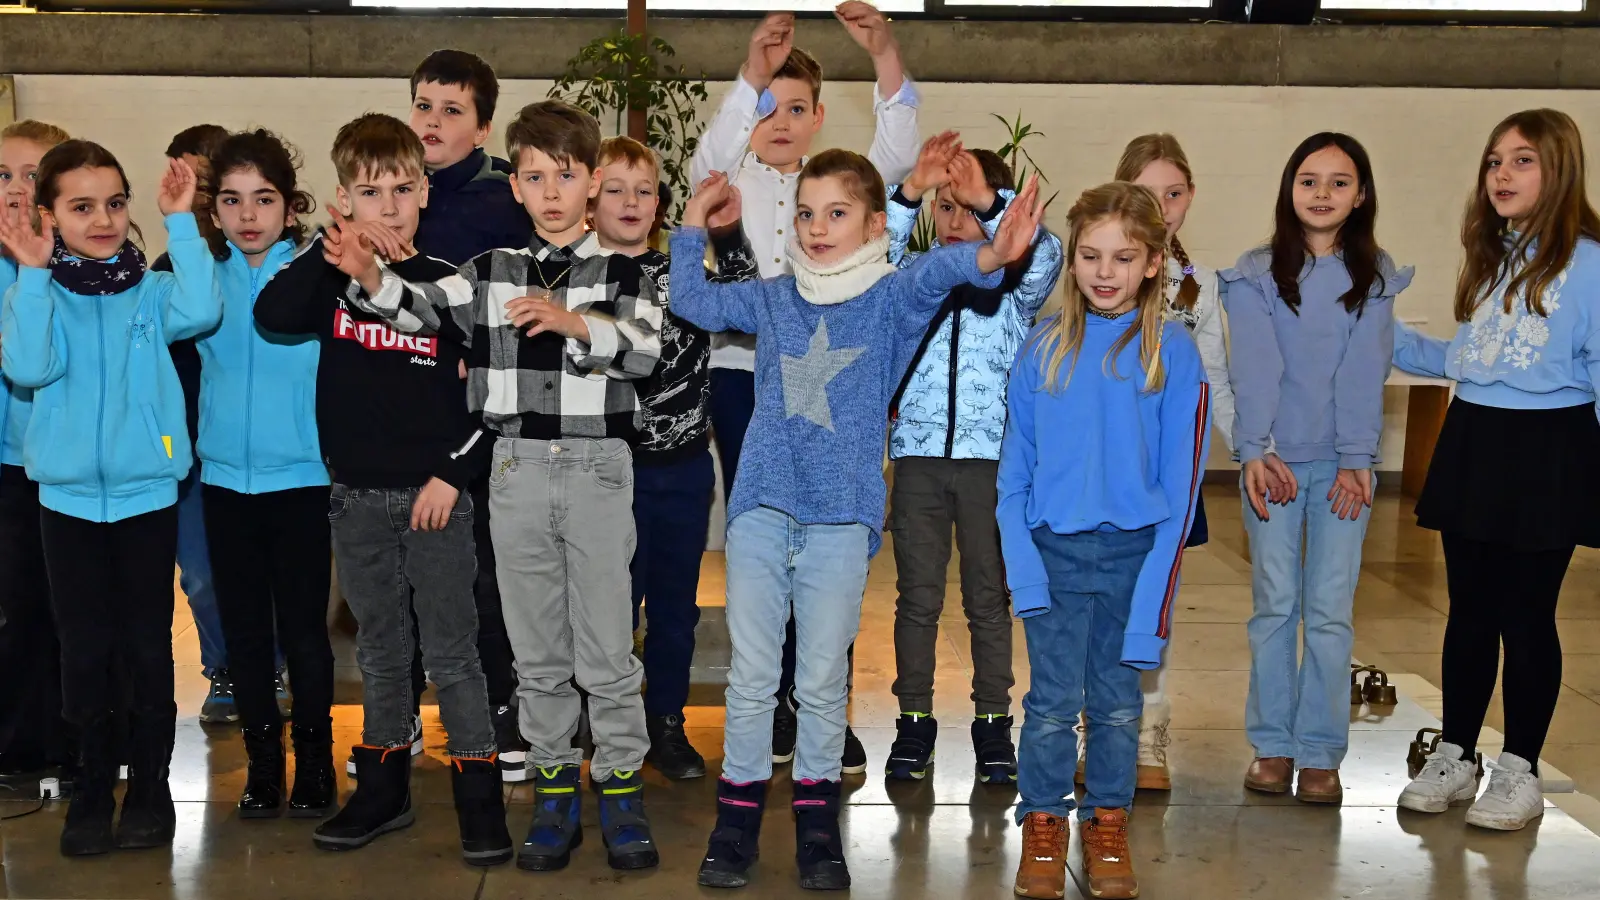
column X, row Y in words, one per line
column 546, row 387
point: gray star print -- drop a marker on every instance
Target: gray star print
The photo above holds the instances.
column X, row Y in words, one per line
column 805, row 378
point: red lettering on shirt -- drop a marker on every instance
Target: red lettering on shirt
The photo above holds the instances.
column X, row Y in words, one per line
column 380, row 336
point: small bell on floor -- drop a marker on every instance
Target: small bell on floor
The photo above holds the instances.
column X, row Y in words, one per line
column 1378, row 690
column 1419, row 751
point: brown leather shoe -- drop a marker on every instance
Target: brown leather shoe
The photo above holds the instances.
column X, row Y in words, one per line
column 1107, row 861
column 1270, row 774
column 1043, row 871
column 1319, row 786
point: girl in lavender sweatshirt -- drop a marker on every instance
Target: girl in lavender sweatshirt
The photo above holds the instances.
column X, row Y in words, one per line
column 833, row 342
column 1312, row 320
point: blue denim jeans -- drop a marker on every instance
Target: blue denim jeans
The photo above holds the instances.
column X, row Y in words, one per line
column 1299, row 707
column 194, row 573
column 776, row 564
column 1075, row 654
column 671, row 513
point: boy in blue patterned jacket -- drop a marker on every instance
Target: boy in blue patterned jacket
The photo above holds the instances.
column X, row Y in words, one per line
column 945, row 443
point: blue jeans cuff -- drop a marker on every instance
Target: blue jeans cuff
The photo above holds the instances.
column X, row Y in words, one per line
column 1064, row 809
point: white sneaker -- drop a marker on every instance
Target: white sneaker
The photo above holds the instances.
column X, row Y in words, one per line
column 416, row 746
column 1445, row 779
column 1513, row 798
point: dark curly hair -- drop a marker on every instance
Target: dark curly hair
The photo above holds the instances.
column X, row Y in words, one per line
column 277, row 161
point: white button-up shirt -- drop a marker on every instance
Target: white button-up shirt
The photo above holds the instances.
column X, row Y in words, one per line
column 769, row 195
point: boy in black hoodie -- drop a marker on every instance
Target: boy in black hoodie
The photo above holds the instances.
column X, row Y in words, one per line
column 471, row 210
column 402, row 448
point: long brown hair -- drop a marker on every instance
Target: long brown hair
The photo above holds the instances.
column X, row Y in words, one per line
column 1357, row 236
column 1560, row 217
column 1141, row 152
column 1140, row 214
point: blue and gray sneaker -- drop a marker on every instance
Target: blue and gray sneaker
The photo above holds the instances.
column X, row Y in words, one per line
column 996, row 755
column 556, row 830
column 219, row 707
column 623, row 825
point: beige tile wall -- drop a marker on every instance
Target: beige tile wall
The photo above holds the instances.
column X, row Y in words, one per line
column 1424, row 144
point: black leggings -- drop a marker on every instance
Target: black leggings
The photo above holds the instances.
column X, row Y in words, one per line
column 1502, row 595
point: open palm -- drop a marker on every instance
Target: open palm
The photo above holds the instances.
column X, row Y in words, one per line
column 177, row 188
column 1021, row 221
column 28, row 247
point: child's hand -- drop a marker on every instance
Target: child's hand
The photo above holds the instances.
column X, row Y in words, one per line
column 725, row 216
column 385, row 240
column 177, row 188
column 348, row 249
column 1017, row 228
column 544, row 316
column 932, row 170
column 431, row 510
column 967, row 184
column 770, row 44
column 710, row 198
column 28, row 247
column 1269, row 480
column 1281, row 483
column 1351, row 493
column 867, row 27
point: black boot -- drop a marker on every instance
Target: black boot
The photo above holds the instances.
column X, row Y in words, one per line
column 87, row 831
column 819, row 850
column 736, row 840
column 381, row 802
column 670, row 750
column 263, row 786
column 315, row 785
column 480, row 811
column 148, row 816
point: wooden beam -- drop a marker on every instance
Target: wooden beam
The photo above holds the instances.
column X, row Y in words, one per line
column 637, row 19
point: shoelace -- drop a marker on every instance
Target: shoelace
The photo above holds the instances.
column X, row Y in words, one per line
column 1041, row 840
column 1107, row 843
column 1439, row 767
column 1503, row 782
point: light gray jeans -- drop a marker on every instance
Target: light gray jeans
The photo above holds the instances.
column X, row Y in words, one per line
column 561, row 515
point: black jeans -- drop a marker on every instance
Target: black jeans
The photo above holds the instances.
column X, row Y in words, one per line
column 386, row 571
column 111, row 590
column 1502, row 595
column 671, row 512
column 931, row 495
column 32, row 733
column 271, row 571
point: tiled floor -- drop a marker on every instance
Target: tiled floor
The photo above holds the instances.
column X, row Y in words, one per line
column 948, row 837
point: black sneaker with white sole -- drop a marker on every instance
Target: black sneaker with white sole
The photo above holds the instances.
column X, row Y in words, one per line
column 511, row 748
column 911, row 754
column 854, row 759
column 785, row 726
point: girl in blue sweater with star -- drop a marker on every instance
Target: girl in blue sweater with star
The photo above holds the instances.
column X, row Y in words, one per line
column 833, row 342
column 1512, row 487
column 87, row 327
column 1099, row 470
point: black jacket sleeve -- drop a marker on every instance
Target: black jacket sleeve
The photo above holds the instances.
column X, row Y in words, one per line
column 300, row 295
column 468, row 462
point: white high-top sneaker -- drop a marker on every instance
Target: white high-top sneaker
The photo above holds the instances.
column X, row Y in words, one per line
column 1082, row 728
column 1445, row 779
column 1513, row 798
column 1152, row 773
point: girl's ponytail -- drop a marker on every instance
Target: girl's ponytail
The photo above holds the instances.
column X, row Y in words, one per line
column 1189, row 290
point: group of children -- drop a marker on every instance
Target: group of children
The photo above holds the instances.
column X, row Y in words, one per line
column 474, row 385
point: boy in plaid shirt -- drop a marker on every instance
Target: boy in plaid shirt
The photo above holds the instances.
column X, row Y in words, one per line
column 555, row 333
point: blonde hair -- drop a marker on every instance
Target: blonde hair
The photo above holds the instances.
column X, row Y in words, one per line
column 42, row 133
column 376, row 144
column 1139, row 212
column 1140, row 153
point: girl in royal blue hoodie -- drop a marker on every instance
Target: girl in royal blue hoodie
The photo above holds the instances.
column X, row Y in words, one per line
column 87, row 328
column 264, row 485
column 1105, row 440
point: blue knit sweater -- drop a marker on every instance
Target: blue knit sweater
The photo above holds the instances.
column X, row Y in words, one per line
column 824, row 377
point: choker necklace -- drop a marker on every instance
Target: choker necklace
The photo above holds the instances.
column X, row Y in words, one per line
column 1105, row 314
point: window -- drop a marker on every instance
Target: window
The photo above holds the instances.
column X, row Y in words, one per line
column 1526, row 6
column 1099, row 4
column 753, row 6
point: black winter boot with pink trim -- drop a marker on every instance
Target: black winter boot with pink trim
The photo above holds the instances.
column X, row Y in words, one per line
column 819, row 848
column 736, row 840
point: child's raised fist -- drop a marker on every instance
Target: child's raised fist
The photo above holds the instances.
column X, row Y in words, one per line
column 866, row 25
column 709, row 207
column 770, row 45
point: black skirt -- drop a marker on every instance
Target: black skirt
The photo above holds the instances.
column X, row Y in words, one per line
column 1526, row 478
column 1198, row 533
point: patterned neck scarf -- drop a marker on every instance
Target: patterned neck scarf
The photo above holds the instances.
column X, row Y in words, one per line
column 92, row 277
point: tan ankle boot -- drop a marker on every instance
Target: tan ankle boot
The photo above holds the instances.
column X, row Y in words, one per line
column 1107, row 861
column 1043, row 871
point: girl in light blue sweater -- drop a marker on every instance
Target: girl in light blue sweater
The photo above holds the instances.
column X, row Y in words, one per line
column 1513, row 486
column 1311, row 317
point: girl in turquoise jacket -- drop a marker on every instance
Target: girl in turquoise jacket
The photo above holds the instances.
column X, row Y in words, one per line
column 263, row 482
column 87, row 328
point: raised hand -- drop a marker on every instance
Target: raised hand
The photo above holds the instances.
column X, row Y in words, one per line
column 932, row 170
column 770, row 45
column 725, row 215
column 866, row 26
column 177, row 188
column 348, row 249
column 385, row 240
column 1017, row 228
column 25, row 245
column 710, row 196
column 967, row 184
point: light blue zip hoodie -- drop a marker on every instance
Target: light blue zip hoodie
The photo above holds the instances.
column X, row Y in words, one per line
column 106, row 441
column 16, row 402
column 1103, row 454
column 258, row 390
column 1519, row 360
